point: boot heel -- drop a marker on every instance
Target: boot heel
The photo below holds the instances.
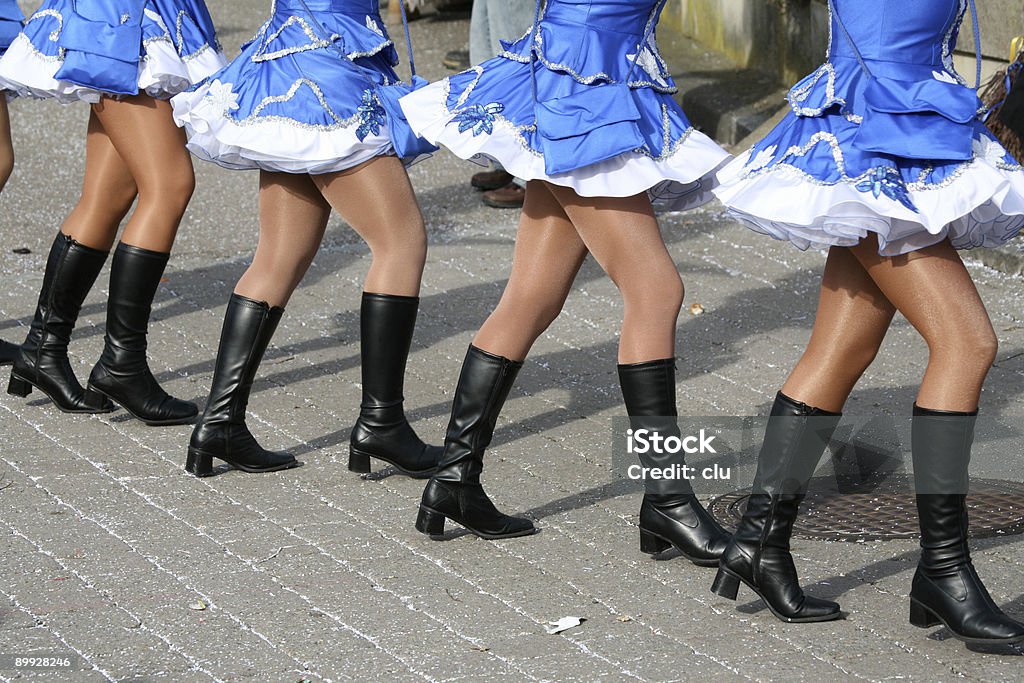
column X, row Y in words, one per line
column 358, row 462
column 18, row 387
column 727, row 585
column 95, row 400
column 921, row 616
column 430, row 523
column 198, row 463
column 652, row 544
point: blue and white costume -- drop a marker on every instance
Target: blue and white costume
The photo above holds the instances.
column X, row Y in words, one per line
column 75, row 50
column 603, row 120
column 11, row 21
column 302, row 97
column 884, row 137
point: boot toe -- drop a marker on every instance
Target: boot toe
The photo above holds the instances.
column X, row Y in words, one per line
column 8, row 352
column 504, row 527
column 519, row 526
column 817, row 609
column 1008, row 631
column 177, row 411
column 431, row 457
column 716, row 548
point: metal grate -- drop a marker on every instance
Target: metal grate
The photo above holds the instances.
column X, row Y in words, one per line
column 996, row 508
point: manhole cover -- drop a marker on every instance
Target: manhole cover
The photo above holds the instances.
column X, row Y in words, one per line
column 996, row 508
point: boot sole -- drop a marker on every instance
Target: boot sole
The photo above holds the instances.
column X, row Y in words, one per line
column 727, row 583
column 427, row 522
column 359, row 461
column 655, row 544
column 199, row 464
column 21, row 387
column 149, row 423
column 923, row 617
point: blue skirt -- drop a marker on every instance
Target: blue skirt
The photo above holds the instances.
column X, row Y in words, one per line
column 82, row 50
column 601, row 124
column 301, row 96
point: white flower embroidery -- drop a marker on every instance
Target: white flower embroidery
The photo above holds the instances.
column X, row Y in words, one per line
column 944, row 77
column 763, row 158
column 988, row 149
column 221, row 97
column 373, row 26
column 649, row 63
column 159, row 20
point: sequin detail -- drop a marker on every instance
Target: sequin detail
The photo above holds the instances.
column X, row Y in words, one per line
column 478, row 117
column 255, row 116
column 370, row 114
column 315, row 42
column 796, row 96
column 886, row 180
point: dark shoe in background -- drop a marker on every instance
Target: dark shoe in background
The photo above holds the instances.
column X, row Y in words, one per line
column 491, row 180
column 509, row 197
column 455, row 8
column 456, row 60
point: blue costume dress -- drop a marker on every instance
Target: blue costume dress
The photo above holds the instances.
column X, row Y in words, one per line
column 75, row 50
column 301, row 96
column 11, row 20
column 884, row 137
column 603, row 120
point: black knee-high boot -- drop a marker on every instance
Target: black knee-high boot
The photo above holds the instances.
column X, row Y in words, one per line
column 758, row 554
column 221, row 432
column 8, row 352
column 122, row 373
column 670, row 513
column 946, row 588
column 455, row 492
column 42, row 361
column 382, row 430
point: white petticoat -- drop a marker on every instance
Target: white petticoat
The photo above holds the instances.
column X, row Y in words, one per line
column 981, row 206
column 26, row 72
column 268, row 143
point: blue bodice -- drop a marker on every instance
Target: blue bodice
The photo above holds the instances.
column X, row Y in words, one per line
column 363, row 7
column 352, row 26
column 621, row 16
column 598, row 41
column 905, row 33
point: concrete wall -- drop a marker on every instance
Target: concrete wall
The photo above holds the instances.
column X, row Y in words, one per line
column 787, row 38
column 1001, row 20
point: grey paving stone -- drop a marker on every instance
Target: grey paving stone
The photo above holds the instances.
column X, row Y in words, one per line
column 318, row 574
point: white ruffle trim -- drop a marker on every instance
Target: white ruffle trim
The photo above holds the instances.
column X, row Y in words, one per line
column 26, row 72
column 272, row 144
column 163, row 74
column 682, row 180
column 981, row 206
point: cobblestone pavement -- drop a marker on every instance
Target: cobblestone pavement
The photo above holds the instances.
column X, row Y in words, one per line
column 110, row 552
